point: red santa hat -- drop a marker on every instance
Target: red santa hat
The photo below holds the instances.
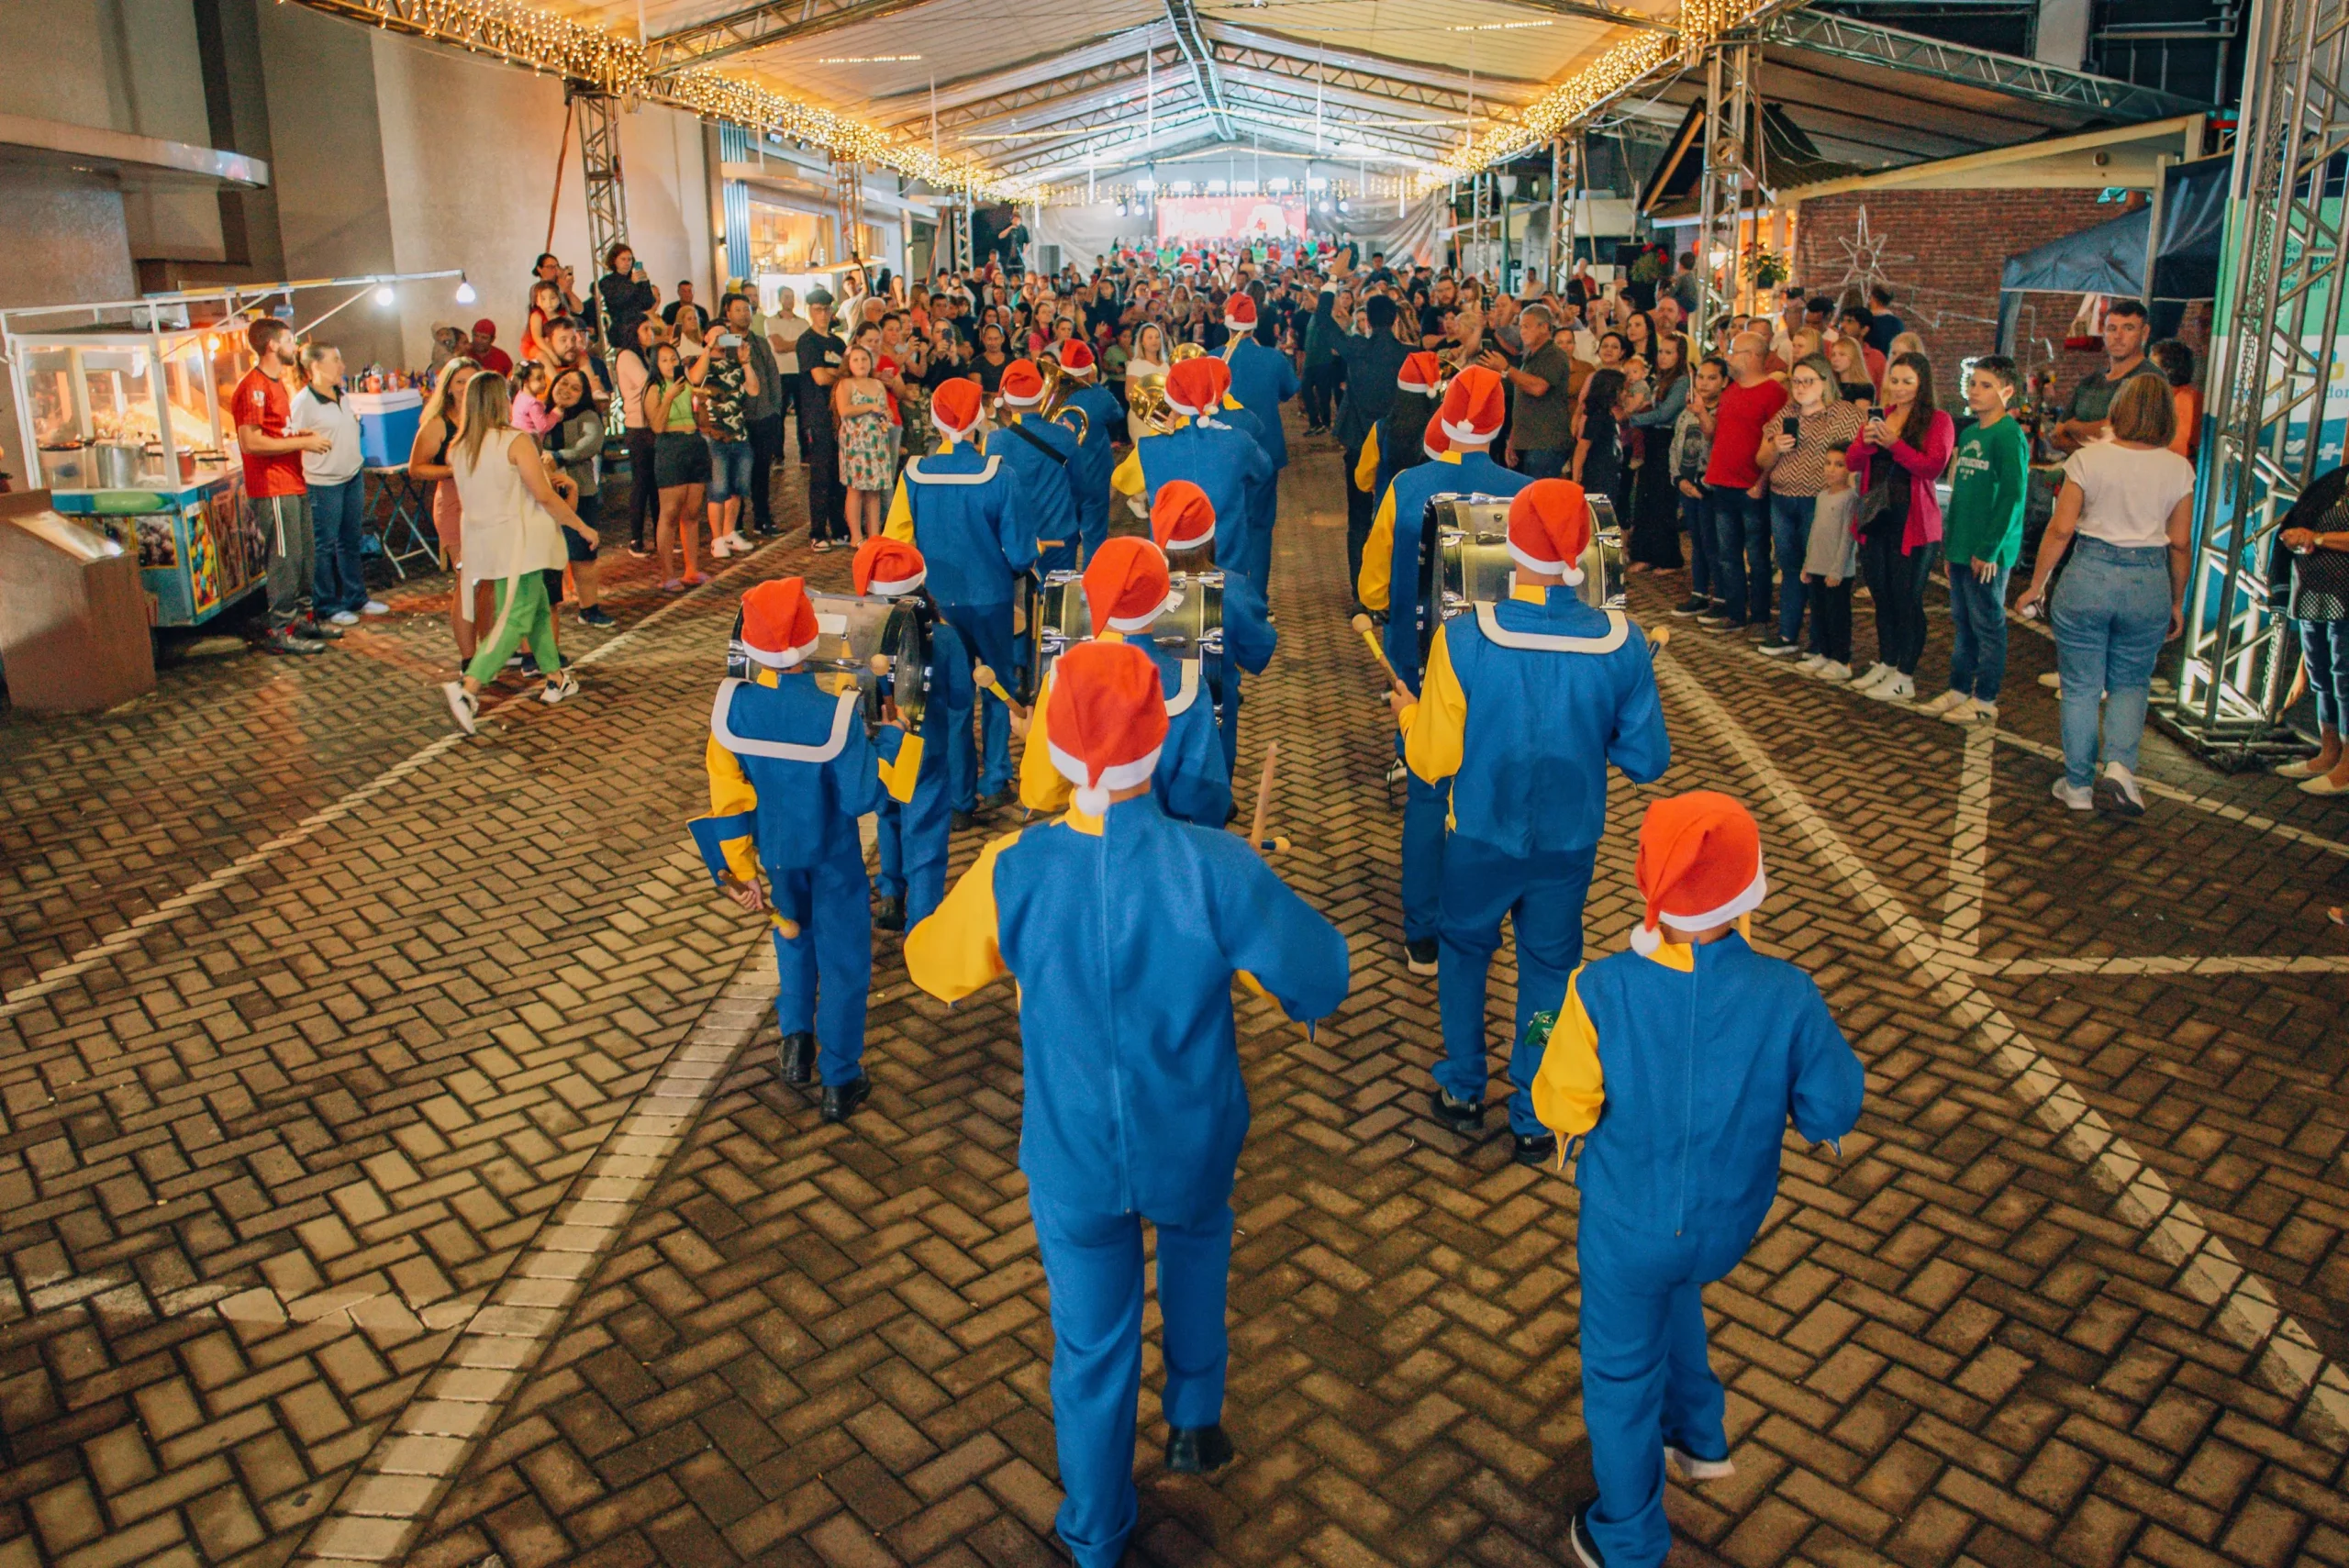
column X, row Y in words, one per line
column 1105, row 720
column 887, row 567
column 954, row 407
column 1420, row 374
column 1181, row 517
column 1549, row 527
column 778, row 623
column 1473, row 408
column 1127, row 586
column 1434, row 443
column 1023, row 385
column 1076, row 360
column 1699, row 865
column 1195, row 385
column 1239, row 312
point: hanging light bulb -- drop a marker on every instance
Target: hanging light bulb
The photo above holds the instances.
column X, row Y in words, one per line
column 465, row 293
column 383, row 295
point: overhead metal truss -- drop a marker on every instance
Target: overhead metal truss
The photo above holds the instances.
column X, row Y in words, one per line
column 1374, row 76
column 1821, row 32
column 912, row 107
column 1728, row 175
column 1203, row 69
column 2279, row 324
column 761, row 27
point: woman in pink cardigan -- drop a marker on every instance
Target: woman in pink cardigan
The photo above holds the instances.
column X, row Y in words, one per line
column 1899, row 519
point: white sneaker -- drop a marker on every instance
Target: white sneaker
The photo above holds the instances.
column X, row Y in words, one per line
column 374, row 607
column 1899, row 688
column 462, row 705
column 343, row 618
column 1871, row 676
column 2116, row 791
column 2077, row 799
column 559, row 685
column 1836, row 672
column 1695, row 1469
column 1952, row 698
column 2052, row 680
column 1811, row 663
column 1970, row 712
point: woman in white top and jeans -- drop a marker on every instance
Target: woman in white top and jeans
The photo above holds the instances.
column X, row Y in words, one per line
column 2126, row 511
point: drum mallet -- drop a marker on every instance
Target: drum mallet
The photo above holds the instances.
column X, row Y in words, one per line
column 1370, row 635
column 985, row 677
column 1256, row 839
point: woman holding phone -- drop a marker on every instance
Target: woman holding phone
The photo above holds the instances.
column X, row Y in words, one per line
column 1793, row 456
column 1902, row 448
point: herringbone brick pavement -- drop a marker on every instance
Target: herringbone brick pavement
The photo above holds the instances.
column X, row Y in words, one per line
column 827, row 1345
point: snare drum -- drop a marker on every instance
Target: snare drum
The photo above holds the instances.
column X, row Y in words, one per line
column 1465, row 559
column 850, row 631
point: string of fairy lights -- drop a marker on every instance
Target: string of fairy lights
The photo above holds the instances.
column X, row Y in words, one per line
column 526, row 34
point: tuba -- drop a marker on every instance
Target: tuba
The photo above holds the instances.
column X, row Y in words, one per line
column 1056, row 406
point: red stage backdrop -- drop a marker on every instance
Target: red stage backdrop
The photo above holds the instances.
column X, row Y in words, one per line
column 1231, row 218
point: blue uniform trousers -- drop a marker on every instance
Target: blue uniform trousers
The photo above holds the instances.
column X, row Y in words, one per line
column 1646, row 1378
column 913, row 845
column 1092, row 1269
column 1542, row 896
column 1254, row 557
column 824, row 973
column 1425, row 806
column 1227, row 719
column 986, row 633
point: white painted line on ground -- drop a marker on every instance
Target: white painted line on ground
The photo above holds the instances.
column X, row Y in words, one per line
column 2250, row 964
column 2226, row 809
column 2285, row 1356
column 1969, row 844
column 244, row 865
column 377, row 1515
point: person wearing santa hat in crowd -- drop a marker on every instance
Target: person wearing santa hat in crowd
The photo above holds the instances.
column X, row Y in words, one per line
column 1182, row 524
column 1262, row 378
column 961, row 508
column 791, row 769
column 1223, row 460
column 1124, row 928
column 1249, row 551
column 913, row 836
column 1523, row 707
column 1468, row 419
column 1678, row 1065
column 1042, row 459
column 1400, row 438
column 1126, row 587
column 1104, row 418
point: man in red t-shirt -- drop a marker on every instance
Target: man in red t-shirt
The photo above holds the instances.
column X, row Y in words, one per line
column 485, row 351
column 275, row 490
column 1733, row 484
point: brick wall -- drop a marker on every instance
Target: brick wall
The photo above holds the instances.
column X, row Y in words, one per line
column 1943, row 251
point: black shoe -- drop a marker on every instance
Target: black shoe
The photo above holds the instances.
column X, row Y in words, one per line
column 958, row 820
column 1578, row 1532
column 1694, row 604
column 996, row 800
column 842, row 1100
column 1715, row 620
column 1198, row 1450
column 1461, row 1116
column 797, row 1054
column 316, row 630
column 284, row 642
column 596, row 615
column 1419, row 957
column 1231, row 814
column 1777, row 647
column 889, row 913
column 1536, row 1148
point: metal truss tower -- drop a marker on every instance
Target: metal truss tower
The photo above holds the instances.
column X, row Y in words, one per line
column 1729, row 181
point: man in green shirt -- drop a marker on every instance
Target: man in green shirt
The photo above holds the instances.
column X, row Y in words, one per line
column 1541, row 429
column 1981, row 537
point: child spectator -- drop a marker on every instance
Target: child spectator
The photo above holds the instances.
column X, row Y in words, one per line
column 1829, row 562
column 1981, row 537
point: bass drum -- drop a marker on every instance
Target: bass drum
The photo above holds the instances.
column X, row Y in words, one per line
column 1193, row 629
column 1465, row 559
column 1055, row 617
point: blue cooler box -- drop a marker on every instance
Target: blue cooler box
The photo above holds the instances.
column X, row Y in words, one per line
column 387, row 423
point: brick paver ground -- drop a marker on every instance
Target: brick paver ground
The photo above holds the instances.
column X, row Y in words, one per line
column 374, row 1134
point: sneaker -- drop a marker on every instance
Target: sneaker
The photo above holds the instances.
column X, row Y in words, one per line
column 1419, row 957
column 596, row 615
column 2052, row 680
column 462, row 705
column 1695, row 1469
column 1943, row 703
column 316, row 630
column 560, row 684
column 344, row 618
column 514, row 661
column 284, row 643
column 1959, row 712
column 1694, row 604
column 2305, row 768
column 2116, row 791
column 1810, row 663
column 1898, row 688
column 1461, row 1116
column 1836, row 673
column 374, row 607
column 638, row 552
column 1872, row 676
column 2078, row 799
column 1718, row 620
column 1578, row 1536
column 1535, row 1148
column 821, row 547
column 1777, row 647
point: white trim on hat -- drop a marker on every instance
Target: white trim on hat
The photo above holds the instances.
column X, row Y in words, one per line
column 895, row 586
column 1468, row 435
column 1193, row 542
column 1404, row 383
column 1094, row 799
column 780, row 660
column 1013, row 400
column 1647, row 939
column 952, row 432
column 1167, row 605
column 1572, row 575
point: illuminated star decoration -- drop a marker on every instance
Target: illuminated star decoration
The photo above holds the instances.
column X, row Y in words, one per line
column 1863, row 256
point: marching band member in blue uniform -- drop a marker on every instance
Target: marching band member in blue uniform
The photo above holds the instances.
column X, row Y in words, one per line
column 1043, row 457
column 1249, row 551
column 1127, row 588
column 1469, row 420
column 962, row 509
column 1262, row 380
column 1124, row 930
column 1401, row 436
column 1182, row 523
column 1678, row 1064
column 1523, row 706
column 790, row 771
column 1095, row 461
column 913, row 836
column 1225, row 462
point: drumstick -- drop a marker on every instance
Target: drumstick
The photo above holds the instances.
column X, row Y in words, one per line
column 1263, row 797
column 1659, row 637
column 1370, row 635
column 987, row 683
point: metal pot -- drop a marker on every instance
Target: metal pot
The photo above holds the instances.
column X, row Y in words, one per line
column 117, row 465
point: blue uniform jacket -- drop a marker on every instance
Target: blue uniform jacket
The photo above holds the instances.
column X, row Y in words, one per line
column 1125, row 932
column 1225, row 462
column 1476, row 474
column 1191, row 782
column 806, row 756
column 1048, row 489
column 1249, row 637
column 1262, row 379
column 963, row 510
column 1692, row 1061
column 1524, row 727
column 1095, row 461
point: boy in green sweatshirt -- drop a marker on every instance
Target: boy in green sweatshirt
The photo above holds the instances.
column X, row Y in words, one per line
column 1981, row 537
